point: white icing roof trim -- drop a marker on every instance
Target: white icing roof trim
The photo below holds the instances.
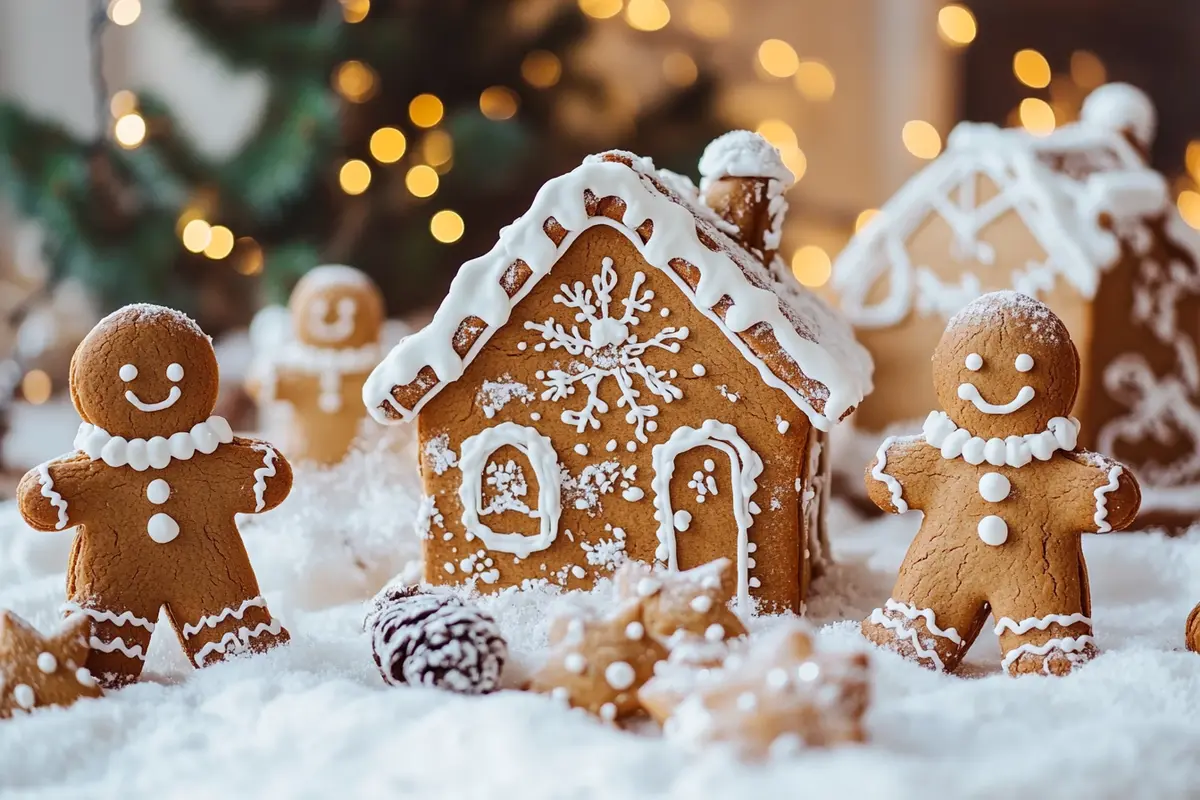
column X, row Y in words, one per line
column 834, row 359
column 1061, row 211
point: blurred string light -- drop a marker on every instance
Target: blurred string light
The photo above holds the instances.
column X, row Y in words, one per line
column 811, row 265
column 437, row 148
column 498, row 103
column 220, row 242
column 1087, row 70
column 865, row 216
column 647, row 15
column 921, row 139
column 1191, row 158
column 956, row 25
column 425, row 110
column 780, row 134
column 196, row 235
column 601, row 9
column 1031, row 69
column 354, row 81
column 122, row 103
column 778, row 58
column 422, row 181
column 1036, row 116
column 248, row 259
column 541, row 69
column 36, row 387
column 387, row 145
column 124, row 12
column 815, row 80
column 708, row 19
column 1188, row 203
column 355, row 10
column 446, row 226
column 354, row 176
column 130, row 130
column 679, row 69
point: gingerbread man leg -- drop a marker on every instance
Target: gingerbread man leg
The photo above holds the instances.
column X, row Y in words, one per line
column 122, row 623
column 1042, row 632
column 928, row 619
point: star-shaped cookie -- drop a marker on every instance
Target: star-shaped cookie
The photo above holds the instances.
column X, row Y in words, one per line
column 37, row 670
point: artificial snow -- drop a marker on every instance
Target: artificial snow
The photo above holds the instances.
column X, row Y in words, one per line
column 314, row 719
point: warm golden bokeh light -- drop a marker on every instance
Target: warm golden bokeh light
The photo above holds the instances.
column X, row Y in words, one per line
column 36, row 387
column 220, row 242
column 1031, row 69
column 1036, row 116
column 130, row 131
column 647, row 15
column 1189, row 207
column 196, row 235
column 708, row 19
column 679, row 69
column 1087, row 70
column 956, row 25
column 446, row 226
column 124, row 12
column 601, row 9
column 387, row 145
column 437, row 148
column 811, row 265
column 425, row 110
column 354, row 176
column 122, row 103
column 795, row 160
column 777, row 132
column 354, row 81
column 248, row 258
column 778, row 58
column 422, row 180
column 921, row 139
column 814, row 80
column 541, row 69
column 355, row 10
column 865, row 216
column 1192, row 158
column 498, row 103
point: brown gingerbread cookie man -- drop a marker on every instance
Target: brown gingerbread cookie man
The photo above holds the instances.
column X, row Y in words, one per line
column 337, row 317
column 154, row 488
column 1005, row 495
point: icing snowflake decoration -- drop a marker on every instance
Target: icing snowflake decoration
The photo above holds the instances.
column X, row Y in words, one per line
column 612, row 349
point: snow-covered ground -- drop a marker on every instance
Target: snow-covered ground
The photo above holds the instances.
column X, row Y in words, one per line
column 315, row 720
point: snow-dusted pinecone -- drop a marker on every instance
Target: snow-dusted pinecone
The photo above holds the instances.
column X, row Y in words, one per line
column 435, row 639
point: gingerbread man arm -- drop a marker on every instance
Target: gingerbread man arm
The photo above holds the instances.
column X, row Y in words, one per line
column 1104, row 494
column 261, row 473
column 900, row 476
column 47, row 495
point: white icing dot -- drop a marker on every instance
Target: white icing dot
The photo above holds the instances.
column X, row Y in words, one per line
column 561, row 694
column 23, row 695
column 682, row 520
column 709, row 465
column 698, row 370
column 634, row 631
column 158, row 491
column 449, row 567
column 783, row 426
column 578, row 571
column 608, row 712
column 714, row 632
column 1024, row 362
column 993, row 530
column 612, row 445
column 808, row 671
column 631, row 446
column 974, row 362
column 651, row 426
column 575, row 663
column 535, row 416
column 174, row 372
column 162, row 528
column 128, row 372
column 666, row 312
column 994, row 487
column 619, row 675
column 47, row 663
column 701, row 604
column 522, row 346
column 83, row 676
column 581, row 449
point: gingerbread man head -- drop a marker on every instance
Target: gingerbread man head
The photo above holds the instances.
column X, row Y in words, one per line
column 144, row 371
column 335, row 306
column 1005, row 366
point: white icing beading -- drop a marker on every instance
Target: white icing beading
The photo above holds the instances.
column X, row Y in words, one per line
column 329, row 364
column 893, row 485
column 120, row 620
column 142, row 454
column 1040, row 623
column 212, row 621
column 267, row 470
column 56, row 499
column 1101, row 495
column 242, row 637
column 1066, row 645
column 1014, row 451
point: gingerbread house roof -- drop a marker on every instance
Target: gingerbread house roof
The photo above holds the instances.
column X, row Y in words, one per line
column 1078, row 190
column 798, row 344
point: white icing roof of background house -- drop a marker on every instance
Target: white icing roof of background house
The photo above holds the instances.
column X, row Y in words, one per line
column 810, row 333
column 1059, row 184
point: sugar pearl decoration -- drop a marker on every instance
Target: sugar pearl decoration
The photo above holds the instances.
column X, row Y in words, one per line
column 1024, row 362
column 974, row 362
column 994, row 487
column 993, row 530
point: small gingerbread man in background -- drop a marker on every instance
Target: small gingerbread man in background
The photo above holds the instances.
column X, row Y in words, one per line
column 154, row 488
column 1005, row 495
column 337, row 317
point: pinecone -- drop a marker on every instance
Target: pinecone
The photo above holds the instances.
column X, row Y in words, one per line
column 435, row 639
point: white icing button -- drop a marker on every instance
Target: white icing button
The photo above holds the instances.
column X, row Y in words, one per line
column 1024, row 362
column 994, row 487
column 47, row 663
column 974, row 362
column 993, row 530
column 162, row 528
column 175, row 373
column 158, row 491
column 22, row 693
column 128, row 372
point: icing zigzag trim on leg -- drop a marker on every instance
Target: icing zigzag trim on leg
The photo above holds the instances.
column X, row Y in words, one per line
column 242, row 636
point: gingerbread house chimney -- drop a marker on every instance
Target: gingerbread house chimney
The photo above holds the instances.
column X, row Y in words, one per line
column 742, row 179
column 1125, row 109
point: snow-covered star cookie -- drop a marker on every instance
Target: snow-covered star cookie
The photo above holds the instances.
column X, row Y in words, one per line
column 37, row 670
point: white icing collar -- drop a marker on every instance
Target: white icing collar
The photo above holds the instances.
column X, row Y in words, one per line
column 142, row 454
column 309, row 358
column 1014, row 451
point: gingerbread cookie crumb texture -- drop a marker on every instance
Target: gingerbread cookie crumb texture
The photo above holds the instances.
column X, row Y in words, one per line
column 1077, row 219
column 630, row 374
column 37, row 670
column 337, row 318
column 1005, row 493
column 153, row 488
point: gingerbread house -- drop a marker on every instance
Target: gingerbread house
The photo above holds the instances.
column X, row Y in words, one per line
column 630, row 373
column 1077, row 219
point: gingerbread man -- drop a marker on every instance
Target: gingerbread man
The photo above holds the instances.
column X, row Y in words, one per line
column 154, row 488
column 1005, row 495
column 337, row 318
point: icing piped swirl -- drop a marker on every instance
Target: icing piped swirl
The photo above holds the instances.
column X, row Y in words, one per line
column 1015, row 451
column 142, row 454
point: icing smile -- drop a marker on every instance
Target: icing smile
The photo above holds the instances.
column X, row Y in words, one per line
column 967, row 391
column 339, row 329
column 161, row 405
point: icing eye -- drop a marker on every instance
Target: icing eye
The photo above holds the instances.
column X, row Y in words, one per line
column 128, row 372
column 175, row 373
column 974, row 362
column 1024, row 362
